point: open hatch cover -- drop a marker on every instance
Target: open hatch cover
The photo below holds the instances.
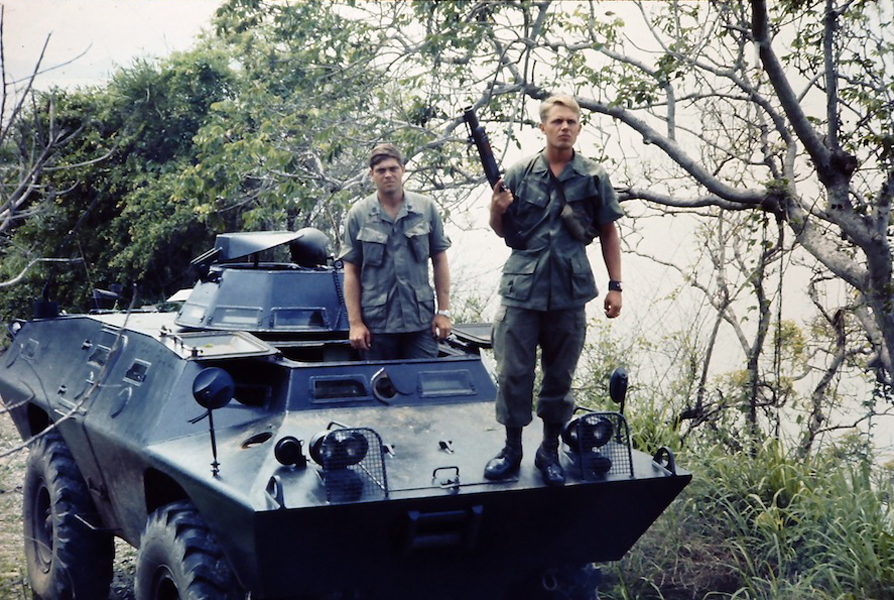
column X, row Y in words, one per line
column 217, row 344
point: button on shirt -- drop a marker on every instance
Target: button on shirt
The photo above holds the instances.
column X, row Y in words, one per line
column 553, row 271
column 395, row 292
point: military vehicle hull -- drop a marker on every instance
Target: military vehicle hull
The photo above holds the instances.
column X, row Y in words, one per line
column 319, row 472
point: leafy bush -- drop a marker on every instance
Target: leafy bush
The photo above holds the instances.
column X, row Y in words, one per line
column 766, row 527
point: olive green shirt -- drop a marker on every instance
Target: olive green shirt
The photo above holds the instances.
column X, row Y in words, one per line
column 396, row 295
column 553, row 271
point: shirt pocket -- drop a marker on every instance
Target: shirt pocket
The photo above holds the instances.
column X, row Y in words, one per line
column 583, row 284
column 425, row 304
column 374, row 243
column 418, row 240
column 518, row 277
column 374, row 308
column 527, row 209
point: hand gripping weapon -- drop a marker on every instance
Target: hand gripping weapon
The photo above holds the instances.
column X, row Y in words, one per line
column 511, row 234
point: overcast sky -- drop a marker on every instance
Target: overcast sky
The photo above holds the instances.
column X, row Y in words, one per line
column 108, row 33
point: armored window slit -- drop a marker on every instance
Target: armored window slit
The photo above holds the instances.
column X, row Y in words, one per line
column 299, row 318
column 99, row 356
column 446, row 383
column 137, row 371
column 336, row 388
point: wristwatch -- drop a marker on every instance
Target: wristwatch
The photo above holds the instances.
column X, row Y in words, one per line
column 615, row 286
column 444, row 313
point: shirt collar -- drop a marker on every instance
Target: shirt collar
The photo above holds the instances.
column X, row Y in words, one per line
column 541, row 167
column 406, row 207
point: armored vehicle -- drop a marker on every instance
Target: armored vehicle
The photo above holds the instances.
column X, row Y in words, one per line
column 247, row 452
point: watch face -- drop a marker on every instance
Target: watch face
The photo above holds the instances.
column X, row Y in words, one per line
column 614, row 286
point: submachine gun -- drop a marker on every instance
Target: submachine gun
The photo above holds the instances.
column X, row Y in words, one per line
column 511, row 232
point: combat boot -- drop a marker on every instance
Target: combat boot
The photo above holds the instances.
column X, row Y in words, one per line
column 547, row 457
column 506, row 463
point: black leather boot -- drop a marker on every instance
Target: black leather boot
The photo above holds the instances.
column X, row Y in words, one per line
column 506, row 463
column 547, row 457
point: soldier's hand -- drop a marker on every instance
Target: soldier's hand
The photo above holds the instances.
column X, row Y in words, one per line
column 359, row 337
column 613, row 303
column 501, row 198
column 441, row 327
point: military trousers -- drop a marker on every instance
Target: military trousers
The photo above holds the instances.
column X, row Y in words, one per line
column 517, row 333
column 399, row 346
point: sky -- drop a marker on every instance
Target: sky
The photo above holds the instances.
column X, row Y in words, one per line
column 88, row 39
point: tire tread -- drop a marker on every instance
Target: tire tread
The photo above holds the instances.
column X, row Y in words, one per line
column 82, row 566
column 179, row 532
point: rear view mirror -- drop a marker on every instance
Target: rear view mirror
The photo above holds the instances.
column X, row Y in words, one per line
column 617, row 386
column 213, row 388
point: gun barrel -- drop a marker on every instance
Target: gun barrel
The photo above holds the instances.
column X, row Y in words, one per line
column 470, row 117
column 479, row 136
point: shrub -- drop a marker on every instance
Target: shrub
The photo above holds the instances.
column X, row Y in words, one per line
column 766, row 527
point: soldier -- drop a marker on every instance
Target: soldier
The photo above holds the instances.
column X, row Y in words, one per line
column 390, row 236
column 559, row 201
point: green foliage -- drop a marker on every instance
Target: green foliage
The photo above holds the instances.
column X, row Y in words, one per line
column 767, row 526
column 649, row 414
column 106, row 198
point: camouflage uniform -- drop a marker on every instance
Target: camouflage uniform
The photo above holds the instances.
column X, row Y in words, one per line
column 545, row 288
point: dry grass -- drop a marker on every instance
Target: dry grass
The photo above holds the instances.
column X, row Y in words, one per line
column 12, row 560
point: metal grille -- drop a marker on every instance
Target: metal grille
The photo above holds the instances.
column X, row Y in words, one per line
column 353, row 465
column 600, row 445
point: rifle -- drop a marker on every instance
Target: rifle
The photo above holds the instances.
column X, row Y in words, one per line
column 479, row 136
column 512, row 235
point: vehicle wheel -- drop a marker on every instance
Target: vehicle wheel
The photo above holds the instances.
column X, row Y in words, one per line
column 578, row 583
column 66, row 559
column 565, row 583
column 180, row 560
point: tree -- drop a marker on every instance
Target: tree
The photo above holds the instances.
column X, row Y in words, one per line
column 104, row 196
column 792, row 369
column 741, row 135
column 321, row 85
column 798, row 130
column 31, row 138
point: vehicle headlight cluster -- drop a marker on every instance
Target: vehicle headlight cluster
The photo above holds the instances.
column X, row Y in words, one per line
column 352, row 461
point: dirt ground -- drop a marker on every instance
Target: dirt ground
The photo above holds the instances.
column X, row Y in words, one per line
column 12, row 560
column 13, row 571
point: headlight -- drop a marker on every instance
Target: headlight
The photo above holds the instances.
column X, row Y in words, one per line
column 288, row 452
column 338, row 448
column 586, row 433
column 353, row 461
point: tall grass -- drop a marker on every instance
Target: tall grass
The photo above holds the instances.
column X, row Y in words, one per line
column 767, row 526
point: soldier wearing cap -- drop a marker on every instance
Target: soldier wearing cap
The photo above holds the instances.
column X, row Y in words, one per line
column 389, row 239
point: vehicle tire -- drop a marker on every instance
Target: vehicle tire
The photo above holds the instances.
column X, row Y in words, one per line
column 180, row 560
column 564, row 583
column 67, row 560
column 578, row 583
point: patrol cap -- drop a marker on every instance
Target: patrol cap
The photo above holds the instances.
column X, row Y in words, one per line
column 383, row 151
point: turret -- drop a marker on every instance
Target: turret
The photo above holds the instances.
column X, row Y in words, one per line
column 237, row 291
